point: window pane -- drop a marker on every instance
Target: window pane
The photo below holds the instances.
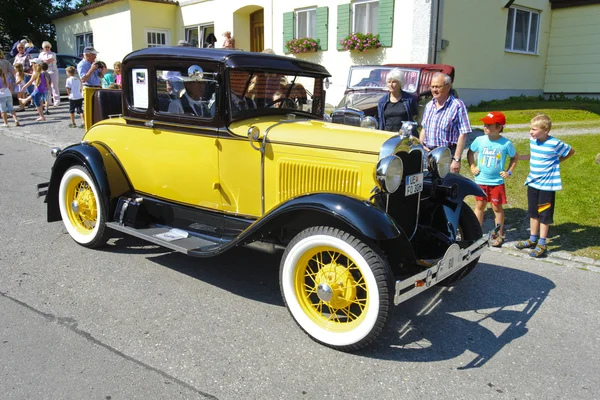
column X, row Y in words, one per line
column 533, row 32
column 521, row 30
column 302, row 23
column 509, row 29
column 373, row 17
column 312, row 23
column 360, row 17
column 149, row 38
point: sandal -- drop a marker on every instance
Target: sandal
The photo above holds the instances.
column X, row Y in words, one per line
column 497, row 241
column 539, row 251
column 525, row 244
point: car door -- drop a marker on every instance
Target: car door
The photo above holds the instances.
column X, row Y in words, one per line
column 62, row 62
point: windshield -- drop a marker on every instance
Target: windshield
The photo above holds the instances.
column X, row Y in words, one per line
column 252, row 92
column 373, row 76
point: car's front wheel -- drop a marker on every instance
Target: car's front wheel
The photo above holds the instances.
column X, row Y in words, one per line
column 80, row 207
column 337, row 288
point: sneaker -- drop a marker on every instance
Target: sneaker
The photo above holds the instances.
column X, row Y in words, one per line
column 82, row 126
column 72, row 126
column 57, row 104
column 525, row 244
column 5, row 125
column 46, row 112
column 539, row 251
column 17, row 123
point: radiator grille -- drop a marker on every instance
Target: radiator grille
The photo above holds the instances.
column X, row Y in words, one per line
column 296, row 178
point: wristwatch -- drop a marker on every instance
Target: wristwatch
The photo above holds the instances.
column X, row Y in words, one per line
column 509, row 173
column 456, row 159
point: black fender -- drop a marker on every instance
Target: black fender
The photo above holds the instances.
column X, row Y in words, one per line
column 466, row 187
column 106, row 172
column 358, row 216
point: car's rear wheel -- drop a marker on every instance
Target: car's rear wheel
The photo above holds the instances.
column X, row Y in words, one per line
column 469, row 229
column 80, row 207
column 336, row 287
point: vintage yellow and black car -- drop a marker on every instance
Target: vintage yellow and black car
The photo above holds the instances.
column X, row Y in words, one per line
column 204, row 150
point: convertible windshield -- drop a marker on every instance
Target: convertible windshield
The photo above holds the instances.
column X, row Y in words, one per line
column 372, row 76
column 265, row 92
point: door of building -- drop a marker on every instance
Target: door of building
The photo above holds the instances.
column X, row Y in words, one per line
column 257, row 31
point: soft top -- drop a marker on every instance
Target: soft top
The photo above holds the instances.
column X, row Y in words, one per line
column 232, row 59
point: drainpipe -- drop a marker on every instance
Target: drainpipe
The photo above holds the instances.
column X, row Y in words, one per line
column 434, row 33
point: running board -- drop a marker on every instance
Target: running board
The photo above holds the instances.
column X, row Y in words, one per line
column 174, row 239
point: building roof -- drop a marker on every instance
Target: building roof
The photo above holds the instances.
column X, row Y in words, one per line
column 67, row 13
column 572, row 3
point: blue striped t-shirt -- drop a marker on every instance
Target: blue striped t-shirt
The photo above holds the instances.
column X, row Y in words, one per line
column 544, row 163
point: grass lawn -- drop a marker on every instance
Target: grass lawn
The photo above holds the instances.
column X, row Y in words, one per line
column 576, row 227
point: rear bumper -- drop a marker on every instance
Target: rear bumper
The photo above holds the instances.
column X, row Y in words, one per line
column 453, row 261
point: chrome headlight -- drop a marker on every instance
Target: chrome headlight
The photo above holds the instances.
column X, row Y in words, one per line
column 388, row 173
column 368, row 122
column 439, row 161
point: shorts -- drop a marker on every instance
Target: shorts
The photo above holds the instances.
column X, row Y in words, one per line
column 541, row 205
column 76, row 106
column 38, row 98
column 495, row 194
column 6, row 104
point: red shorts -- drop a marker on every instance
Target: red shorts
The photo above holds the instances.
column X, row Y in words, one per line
column 494, row 194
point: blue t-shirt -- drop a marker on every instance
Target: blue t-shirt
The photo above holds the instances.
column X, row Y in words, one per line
column 82, row 68
column 544, row 163
column 491, row 158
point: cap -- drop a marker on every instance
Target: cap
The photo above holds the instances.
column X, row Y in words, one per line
column 89, row 50
column 494, row 117
column 183, row 43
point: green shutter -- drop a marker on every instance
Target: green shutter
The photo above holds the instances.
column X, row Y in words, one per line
column 386, row 22
column 343, row 24
column 288, row 28
column 322, row 26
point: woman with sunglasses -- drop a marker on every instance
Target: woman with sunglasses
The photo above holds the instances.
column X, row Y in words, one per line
column 49, row 58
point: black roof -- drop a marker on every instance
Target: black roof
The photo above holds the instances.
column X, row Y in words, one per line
column 232, row 59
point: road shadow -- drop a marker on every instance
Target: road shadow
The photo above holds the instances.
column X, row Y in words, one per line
column 486, row 311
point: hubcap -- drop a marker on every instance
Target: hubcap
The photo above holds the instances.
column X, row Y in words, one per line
column 331, row 289
column 83, row 212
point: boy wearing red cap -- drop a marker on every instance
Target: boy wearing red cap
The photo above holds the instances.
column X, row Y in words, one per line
column 489, row 171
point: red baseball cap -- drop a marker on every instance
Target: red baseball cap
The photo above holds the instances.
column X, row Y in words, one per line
column 494, row 117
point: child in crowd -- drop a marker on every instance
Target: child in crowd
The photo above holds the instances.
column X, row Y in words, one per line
column 107, row 78
column 6, row 102
column 492, row 150
column 19, row 83
column 48, row 94
column 75, row 96
column 543, row 181
column 40, row 83
column 117, row 68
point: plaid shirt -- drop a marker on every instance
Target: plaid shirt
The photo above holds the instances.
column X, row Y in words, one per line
column 443, row 126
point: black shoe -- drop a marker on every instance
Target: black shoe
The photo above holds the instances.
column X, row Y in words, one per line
column 46, row 112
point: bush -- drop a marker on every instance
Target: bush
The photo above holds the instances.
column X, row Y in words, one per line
column 361, row 42
column 302, row 45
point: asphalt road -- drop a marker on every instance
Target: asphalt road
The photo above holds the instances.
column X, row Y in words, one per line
column 136, row 321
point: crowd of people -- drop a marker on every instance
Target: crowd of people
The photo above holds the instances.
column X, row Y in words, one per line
column 35, row 82
column 492, row 158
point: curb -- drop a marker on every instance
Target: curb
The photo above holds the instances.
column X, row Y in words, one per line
column 555, row 257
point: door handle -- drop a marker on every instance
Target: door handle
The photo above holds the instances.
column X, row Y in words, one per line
column 149, row 124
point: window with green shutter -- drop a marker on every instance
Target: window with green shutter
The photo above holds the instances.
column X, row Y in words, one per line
column 366, row 16
column 288, row 28
column 306, row 23
column 322, row 26
column 386, row 22
column 343, row 24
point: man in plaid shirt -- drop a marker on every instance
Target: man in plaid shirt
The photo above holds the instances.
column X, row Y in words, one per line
column 445, row 120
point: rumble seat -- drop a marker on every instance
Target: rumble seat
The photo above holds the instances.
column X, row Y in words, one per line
column 106, row 102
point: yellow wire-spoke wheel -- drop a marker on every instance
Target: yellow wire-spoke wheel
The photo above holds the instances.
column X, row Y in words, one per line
column 80, row 207
column 331, row 289
column 338, row 289
column 82, row 211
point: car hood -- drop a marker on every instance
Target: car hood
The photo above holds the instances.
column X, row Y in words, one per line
column 315, row 133
column 362, row 100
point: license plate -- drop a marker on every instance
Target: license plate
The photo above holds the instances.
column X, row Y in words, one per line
column 414, row 184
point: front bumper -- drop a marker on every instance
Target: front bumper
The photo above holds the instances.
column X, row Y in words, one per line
column 453, row 261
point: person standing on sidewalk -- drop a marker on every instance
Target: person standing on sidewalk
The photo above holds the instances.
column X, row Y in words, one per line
column 492, row 150
column 49, row 58
column 543, row 181
column 445, row 120
column 6, row 102
column 73, row 86
column 88, row 68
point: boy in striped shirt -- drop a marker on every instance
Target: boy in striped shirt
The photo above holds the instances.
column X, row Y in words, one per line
column 543, row 181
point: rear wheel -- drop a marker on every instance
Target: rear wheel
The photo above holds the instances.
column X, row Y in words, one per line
column 469, row 229
column 337, row 288
column 80, row 207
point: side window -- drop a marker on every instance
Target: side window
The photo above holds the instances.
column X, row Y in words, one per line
column 188, row 91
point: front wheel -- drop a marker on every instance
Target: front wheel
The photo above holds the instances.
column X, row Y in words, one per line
column 81, row 210
column 469, row 230
column 336, row 287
